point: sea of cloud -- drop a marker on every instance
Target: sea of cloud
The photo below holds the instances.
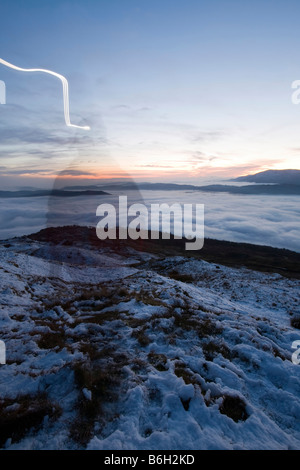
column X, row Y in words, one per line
column 263, row 220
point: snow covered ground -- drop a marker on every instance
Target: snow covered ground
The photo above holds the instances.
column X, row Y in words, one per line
column 133, row 350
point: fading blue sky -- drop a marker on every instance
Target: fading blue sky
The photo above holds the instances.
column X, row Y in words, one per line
column 172, row 89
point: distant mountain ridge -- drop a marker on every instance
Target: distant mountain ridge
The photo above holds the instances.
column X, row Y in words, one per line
column 269, row 182
column 50, row 192
column 262, row 189
column 273, row 176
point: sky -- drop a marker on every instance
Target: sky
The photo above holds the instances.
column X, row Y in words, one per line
column 173, row 90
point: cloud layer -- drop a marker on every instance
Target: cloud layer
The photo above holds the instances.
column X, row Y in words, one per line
column 271, row 220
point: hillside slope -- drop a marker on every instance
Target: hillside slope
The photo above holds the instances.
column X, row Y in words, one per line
column 113, row 348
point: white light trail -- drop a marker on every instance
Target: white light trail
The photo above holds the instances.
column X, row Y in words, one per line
column 65, row 90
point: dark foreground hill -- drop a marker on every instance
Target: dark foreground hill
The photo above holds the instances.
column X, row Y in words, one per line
column 124, row 345
column 257, row 257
